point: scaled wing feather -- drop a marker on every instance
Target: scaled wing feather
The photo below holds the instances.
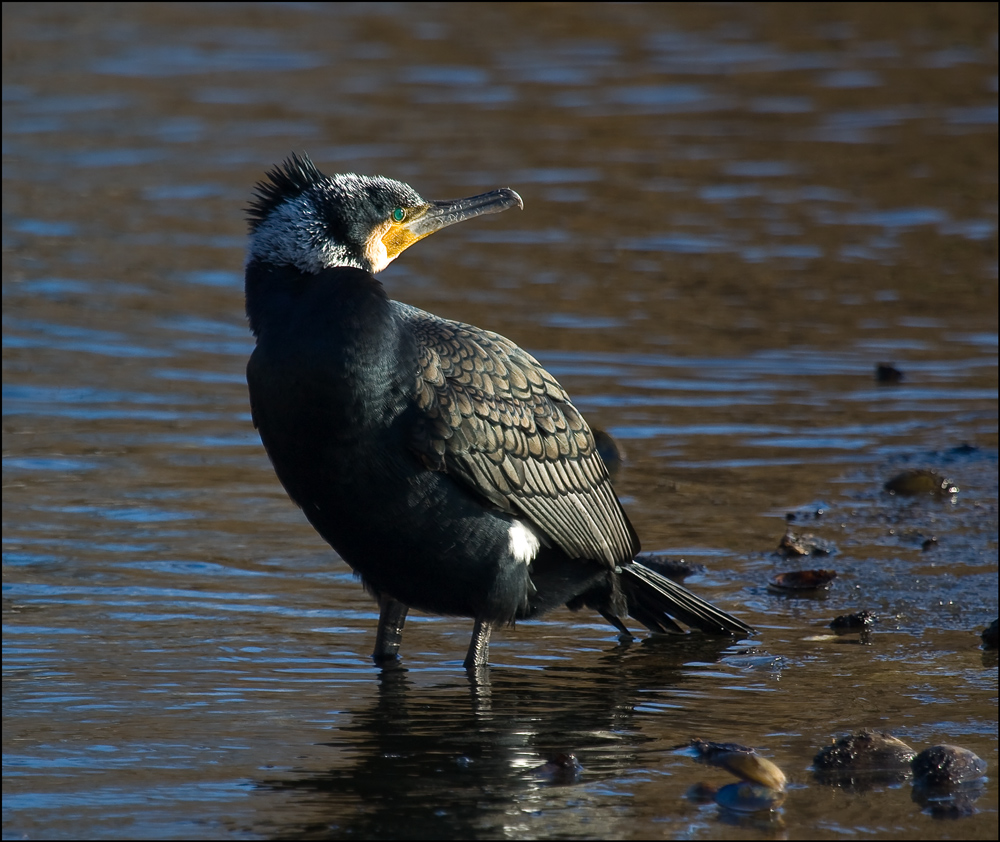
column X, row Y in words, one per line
column 490, row 415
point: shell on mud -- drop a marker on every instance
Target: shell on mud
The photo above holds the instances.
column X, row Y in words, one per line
column 741, row 761
column 803, row 581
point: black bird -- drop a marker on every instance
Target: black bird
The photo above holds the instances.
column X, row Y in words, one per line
column 441, row 461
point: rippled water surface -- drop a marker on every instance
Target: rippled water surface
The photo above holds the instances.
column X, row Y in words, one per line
column 733, row 213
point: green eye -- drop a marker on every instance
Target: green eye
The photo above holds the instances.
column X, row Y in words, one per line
column 398, row 214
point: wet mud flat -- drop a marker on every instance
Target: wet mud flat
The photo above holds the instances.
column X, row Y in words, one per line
column 758, row 248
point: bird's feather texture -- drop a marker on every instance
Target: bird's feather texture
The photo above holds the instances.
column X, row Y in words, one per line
column 490, row 415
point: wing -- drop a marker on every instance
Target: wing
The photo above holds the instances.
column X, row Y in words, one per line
column 491, row 416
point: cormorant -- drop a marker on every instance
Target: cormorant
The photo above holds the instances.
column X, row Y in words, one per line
column 441, row 461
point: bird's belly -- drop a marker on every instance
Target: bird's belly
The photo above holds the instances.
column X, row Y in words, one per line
column 408, row 532
column 431, row 547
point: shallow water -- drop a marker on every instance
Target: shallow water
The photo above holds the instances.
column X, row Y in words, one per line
column 732, row 214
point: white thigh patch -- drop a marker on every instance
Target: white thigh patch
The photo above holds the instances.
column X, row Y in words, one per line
column 523, row 542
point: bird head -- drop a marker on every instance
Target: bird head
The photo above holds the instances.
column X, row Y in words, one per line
column 303, row 218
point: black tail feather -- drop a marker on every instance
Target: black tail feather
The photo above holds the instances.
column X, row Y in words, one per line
column 655, row 601
column 646, row 606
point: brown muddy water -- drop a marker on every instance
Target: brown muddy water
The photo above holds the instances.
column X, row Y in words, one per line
column 733, row 213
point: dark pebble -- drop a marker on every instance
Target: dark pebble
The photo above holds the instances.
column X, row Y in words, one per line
column 887, row 373
column 990, row 636
column 560, row 769
column 946, row 766
column 792, row 545
column 862, row 621
column 915, row 481
column 708, row 752
column 866, row 751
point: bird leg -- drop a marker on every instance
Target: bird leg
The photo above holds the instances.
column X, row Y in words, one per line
column 392, row 615
column 479, row 647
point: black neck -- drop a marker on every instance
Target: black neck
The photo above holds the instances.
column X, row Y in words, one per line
column 338, row 323
column 344, row 294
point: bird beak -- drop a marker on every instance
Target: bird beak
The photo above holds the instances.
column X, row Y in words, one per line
column 442, row 214
column 437, row 215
